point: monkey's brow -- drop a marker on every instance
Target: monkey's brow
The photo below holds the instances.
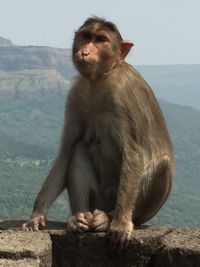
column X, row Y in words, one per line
column 94, row 33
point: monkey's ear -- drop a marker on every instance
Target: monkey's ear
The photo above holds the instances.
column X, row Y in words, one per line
column 125, row 48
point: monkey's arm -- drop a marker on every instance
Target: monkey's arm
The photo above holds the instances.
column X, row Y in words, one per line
column 56, row 180
column 131, row 172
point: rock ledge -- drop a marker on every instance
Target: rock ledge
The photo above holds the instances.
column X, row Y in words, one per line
column 149, row 247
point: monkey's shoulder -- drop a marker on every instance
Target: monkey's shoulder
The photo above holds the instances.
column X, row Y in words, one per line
column 79, row 91
column 121, row 87
column 125, row 76
column 126, row 82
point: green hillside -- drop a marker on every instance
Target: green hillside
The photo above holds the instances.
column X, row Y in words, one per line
column 29, row 137
column 182, row 207
column 33, row 85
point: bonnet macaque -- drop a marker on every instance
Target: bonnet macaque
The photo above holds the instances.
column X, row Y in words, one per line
column 116, row 156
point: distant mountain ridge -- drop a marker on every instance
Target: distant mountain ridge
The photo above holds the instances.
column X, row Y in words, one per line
column 32, row 68
column 36, row 57
column 5, row 42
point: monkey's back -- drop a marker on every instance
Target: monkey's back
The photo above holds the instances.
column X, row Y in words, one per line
column 138, row 103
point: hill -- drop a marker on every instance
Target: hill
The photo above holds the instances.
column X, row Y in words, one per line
column 20, row 58
column 182, row 206
column 177, row 84
column 33, row 81
column 5, row 42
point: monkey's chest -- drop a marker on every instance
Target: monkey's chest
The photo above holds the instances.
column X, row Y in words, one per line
column 98, row 133
column 98, row 111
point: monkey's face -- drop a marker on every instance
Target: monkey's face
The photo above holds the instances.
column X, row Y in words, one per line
column 94, row 50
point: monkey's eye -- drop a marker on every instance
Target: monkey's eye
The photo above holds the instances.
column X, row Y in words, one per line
column 87, row 36
column 101, row 39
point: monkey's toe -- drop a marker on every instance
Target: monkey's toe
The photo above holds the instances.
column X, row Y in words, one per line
column 100, row 222
column 80, row 222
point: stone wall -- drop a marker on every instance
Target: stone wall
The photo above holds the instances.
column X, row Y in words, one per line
column 149, row 247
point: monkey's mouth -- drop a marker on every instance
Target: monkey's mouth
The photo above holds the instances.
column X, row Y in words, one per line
column 86, row 65
column 86, row 60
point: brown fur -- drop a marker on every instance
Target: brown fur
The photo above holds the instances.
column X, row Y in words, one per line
column 116, row 156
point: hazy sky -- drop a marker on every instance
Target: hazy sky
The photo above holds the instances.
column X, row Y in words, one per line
column 163, row 31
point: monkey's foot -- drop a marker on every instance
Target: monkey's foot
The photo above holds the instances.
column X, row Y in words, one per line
column 37, row 222
column 120, row 235
column 100, row 221
column 80, row 222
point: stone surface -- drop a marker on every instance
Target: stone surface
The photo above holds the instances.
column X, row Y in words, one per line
column 181, row 248
column 19, row 245
column 149, row 247
column 92, row 249
column 17, row 225
column 19, row 263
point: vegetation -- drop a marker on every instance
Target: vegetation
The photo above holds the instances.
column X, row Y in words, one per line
column 182, row 208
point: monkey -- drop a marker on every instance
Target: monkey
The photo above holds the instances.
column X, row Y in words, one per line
column 116, row 155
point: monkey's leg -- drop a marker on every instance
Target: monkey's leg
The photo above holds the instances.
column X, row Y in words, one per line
column 82, row 187
column 108, row 172
column 155, row 188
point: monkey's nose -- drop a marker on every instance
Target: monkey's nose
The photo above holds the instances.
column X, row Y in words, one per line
column 85, row 53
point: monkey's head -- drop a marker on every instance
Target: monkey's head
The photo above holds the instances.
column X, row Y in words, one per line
column 98, row 45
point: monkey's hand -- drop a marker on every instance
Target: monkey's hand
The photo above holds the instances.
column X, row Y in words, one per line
column 120, row 234
column 80, row 222
column 100, row 221
column 36, row 222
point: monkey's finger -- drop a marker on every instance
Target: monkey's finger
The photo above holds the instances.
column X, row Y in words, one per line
column 30, row 228
column 41, row 226
column 116, row 237
column 35, row 227
column 119, row 245
column 81, row 218
column 97, row 212
column 71, row 227
column 113, row 247
column 82, row 227
column 114, row 241
column 88, row 216
column 74, row 228
column 112, row 236
column 126, row 244
column 100, row 227
column 24, row 227
column 27, row 227
column 82, row 222
column 123, row 244
column 43, row 223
